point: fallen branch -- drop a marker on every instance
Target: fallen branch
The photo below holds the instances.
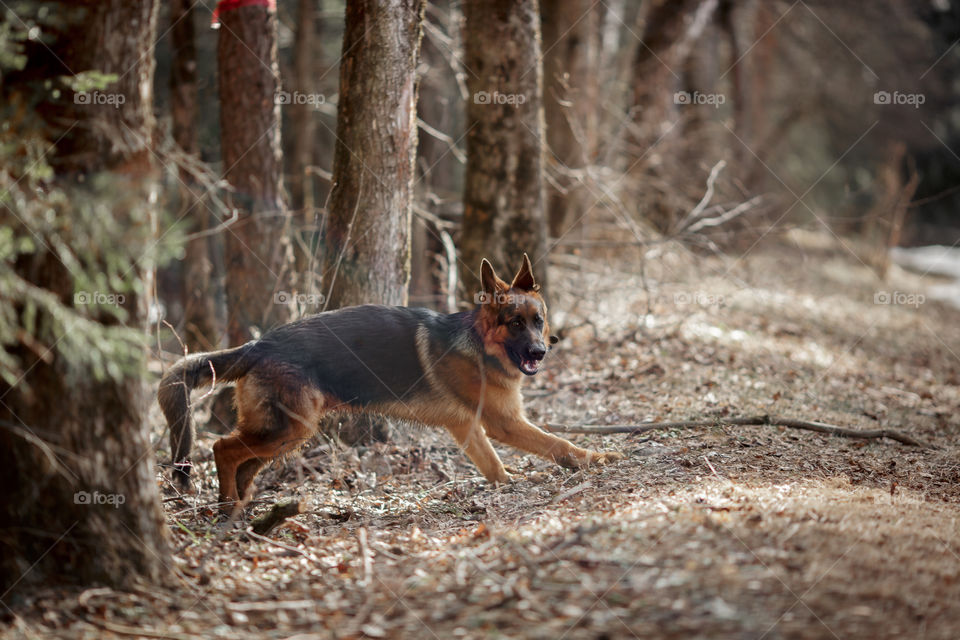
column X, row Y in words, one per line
column 265, row 523
column 774, row 421
column 285, row 547
column 138, row 631
column 269, row 606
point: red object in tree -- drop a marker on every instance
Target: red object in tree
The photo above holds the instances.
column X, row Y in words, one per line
column 229, row 5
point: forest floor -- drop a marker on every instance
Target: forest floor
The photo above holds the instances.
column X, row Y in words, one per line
column 721, row 532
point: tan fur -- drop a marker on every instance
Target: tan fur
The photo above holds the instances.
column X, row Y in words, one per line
column 470, row 395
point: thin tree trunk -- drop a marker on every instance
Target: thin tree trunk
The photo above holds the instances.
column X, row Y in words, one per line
column 257, row 249
column 503, row 201
column 571, row 43
column 367, row 236
column 80, row 496
column 730, row 15
column 655, row 70
column 672, row 28
column 762, row 60
column 199, row 311
column 303, row 123
column 439, row 162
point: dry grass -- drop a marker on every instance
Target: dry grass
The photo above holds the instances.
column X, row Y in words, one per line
column 748, row 532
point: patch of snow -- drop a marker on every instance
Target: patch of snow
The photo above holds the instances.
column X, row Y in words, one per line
column 936, row 259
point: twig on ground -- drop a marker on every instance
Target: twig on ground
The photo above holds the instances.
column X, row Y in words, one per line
column 285, row 547
column 365, row 556
column 707, row 460
column 773, row 421
column 265, row 523
column 270, row 606
column 560, row 497
column 138, row 631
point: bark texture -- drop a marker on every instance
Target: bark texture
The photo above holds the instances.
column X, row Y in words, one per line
column 366, row 257
column 670, row 30
column 503, row 214
column 301, row 113
column 257, row 249
column 303, row 123
column 367, row 236
column 571, row 48
column 69, row 444
column 199, row 310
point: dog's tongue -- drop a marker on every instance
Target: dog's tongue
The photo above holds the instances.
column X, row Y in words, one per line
column 529, row 366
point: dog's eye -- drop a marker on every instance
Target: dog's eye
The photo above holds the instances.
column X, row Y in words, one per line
column 516, row 322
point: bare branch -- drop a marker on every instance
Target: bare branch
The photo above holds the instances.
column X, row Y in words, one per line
column 773, row 421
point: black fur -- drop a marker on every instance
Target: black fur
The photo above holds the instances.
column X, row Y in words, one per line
column 376, row 361
column 174, row 396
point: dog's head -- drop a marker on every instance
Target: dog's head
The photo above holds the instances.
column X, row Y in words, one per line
column 513, row 318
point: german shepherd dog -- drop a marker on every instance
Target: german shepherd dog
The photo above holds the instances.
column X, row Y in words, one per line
column 461, row 371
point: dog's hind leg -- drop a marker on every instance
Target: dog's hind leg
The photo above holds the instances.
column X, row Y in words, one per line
column 246, row 472
column 273, row 419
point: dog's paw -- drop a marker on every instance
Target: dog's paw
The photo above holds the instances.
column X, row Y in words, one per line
column 605, row 457
column 500, row 478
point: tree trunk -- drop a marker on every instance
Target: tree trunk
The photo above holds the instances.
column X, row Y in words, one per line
column 80, row 498
column 367, row 236
column 571, row 43
column 672, row 28
column 257, row 249
column 199, row 311
column 762, row 61
column 303, row 123
column 439, row 163
column 735, row 18
column 503, row 201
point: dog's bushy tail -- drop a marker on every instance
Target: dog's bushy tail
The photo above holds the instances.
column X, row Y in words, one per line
column 174, row 397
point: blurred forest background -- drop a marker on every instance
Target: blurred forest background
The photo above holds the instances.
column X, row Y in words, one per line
column 181, row 176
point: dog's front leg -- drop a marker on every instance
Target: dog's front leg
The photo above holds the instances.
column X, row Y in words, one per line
column 474, row 442
column 516, row 431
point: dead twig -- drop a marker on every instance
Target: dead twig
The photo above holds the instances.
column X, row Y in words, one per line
column 366, row 557
column 265, row 523
column 442, row 137
column 707, row 196
column 138, row 631
column 285, row 547
column 764, row 420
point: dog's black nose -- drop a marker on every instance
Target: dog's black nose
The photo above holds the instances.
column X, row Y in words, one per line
column 537, row 352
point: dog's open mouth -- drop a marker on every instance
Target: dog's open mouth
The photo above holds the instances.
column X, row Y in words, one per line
column 529, row 366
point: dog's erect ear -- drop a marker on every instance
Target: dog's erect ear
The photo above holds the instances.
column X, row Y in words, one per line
column 524, row 278
column 489, row 281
